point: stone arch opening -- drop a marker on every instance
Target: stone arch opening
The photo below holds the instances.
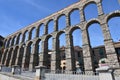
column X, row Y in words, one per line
column 77, row 47
column 47, row 53
column 25, row 35
column 61, row 54
column 114, row 27
column 41, row 29
column 96, row 43
column 4, row 56
column 33, row 33
column 74, row 16
column 90, row 8
column 37, row 52
column 5, row 43
column 50, row 26
column 28, row 53
column 9, row 56
column 9, row 43
column 61, row 22
column 19, row 38
column 14, row 40
column 20, row 57
column 14, row 56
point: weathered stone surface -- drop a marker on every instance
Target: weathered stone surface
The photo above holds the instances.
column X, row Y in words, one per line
column 25, row 59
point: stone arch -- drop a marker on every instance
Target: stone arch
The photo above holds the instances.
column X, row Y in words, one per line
column 92, row 21
column 28, row 53
column 14, row 40
column 36, row 51
column 4, row 56
column 25, row 36
column 59, row 33
column 49, row 27
column 9, row 43
column 62, row 24
column 113, row 21
column 74, row 28
column 5, row 43
column 32, row 32
column 47, row 56
column 87, row 5
column 14, row 56
column 114, row 14
column 89, row 2
column 19, row 38
column 41, row 31
column 71, row 13
column 60, row 54
column 9, row 53
column 77, row 50
column 20, row 55
column 96, row 40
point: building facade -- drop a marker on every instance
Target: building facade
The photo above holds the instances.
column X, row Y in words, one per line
column 22, row 48
column 1, row 46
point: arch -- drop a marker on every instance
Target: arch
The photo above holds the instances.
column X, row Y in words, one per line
column 88, row 8
column 33, row 32
column 114, row 28
column 15, row 52
column 90, row 2
column 59, row 33
column 61, row 46
column 5, row 43
column 61, row 20
column 50, row 26
column 9, row 42
column 19, row 38
column 36, row 53
column 96, row 39
column 13, row 41
column 4, row 56
column 9, row 56
column 28, row 53
column 73, row 28
column 76, row 42
column 25, row 36
column 94, row 20
column 20, row 53
column 74, row 15
column 41, row 29
column 47, row 56
column 114, row 14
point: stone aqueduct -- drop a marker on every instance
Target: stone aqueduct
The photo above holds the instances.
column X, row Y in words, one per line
column 17, row 52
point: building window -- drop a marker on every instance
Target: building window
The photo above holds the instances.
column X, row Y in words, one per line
column 79, row 54
column 118, row 53
column 101, row 52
